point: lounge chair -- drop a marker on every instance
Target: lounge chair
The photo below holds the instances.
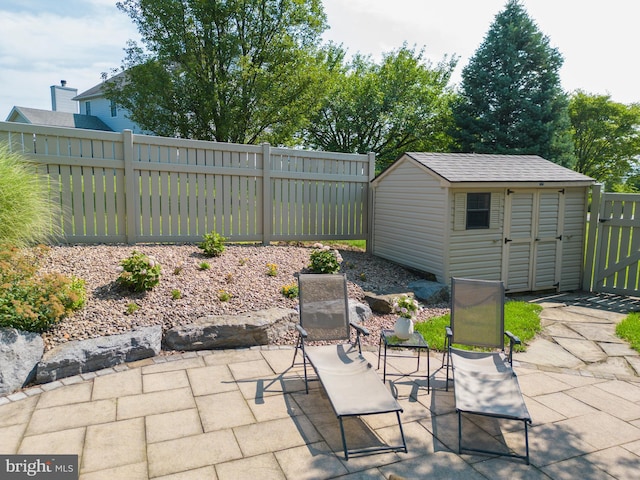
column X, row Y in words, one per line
column 484, row 381
column 352, row 385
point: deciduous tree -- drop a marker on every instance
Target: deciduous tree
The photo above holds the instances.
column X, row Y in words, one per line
column 606, row 136
column 236, row 70
column 401, row 104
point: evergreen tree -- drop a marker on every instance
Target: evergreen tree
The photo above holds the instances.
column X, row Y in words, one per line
column 511, row 101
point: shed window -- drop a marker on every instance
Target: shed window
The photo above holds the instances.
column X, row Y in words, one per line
column 87, row 107
column 114, row 109
column 478, row 208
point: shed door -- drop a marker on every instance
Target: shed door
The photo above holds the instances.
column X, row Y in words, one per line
column 532, row 250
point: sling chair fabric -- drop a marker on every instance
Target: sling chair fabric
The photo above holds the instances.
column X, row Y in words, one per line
column 484, row 382
column 352, row 385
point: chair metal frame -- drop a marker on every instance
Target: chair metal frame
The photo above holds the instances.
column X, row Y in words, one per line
column 361, row 368
column 499, row 358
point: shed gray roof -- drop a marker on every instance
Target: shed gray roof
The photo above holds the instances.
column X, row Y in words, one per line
column 36, row 116
column 475, row 167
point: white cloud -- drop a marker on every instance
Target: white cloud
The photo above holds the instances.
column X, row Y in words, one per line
column 597, row 39
column 44, row 42
column 40, row 49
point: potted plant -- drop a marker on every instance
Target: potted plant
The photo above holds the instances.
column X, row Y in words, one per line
column 407, row 307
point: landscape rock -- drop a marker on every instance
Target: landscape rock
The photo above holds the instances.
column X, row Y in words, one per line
column 359, row 312
column 20, row 352
column 232, row 331
column 83, row 356
column 383, row 303
column 430, row 293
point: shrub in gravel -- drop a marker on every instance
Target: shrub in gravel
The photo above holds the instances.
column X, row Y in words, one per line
column 31, row 302
column 324, row 260
column 272, row 269
column 212, row 244
column 139, row 272
column 290, row 291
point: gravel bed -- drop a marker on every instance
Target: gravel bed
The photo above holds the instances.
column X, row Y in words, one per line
column 241, row 271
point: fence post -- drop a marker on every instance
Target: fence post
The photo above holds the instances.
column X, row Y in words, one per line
column 369, row 226
column 588, row 276
column 131, row 189
column 267, row 196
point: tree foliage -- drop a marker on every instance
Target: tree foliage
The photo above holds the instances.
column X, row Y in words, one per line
column 606, row 136
column 237, row 70
column 399, row 105
column 511, row 101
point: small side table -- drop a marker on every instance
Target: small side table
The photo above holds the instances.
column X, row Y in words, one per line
column 415, row 341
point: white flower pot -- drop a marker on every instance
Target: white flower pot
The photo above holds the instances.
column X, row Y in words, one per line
column 403, row 328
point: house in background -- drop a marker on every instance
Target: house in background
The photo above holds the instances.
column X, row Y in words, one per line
column 515, row 218
column 36, row 116
column 89, row 110
column 93, row 102
column 62, row 98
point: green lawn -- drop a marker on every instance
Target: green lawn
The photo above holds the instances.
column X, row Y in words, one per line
column 520, row 318
column 629, row 330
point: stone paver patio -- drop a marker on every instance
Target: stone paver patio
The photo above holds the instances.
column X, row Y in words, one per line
column 238, row 414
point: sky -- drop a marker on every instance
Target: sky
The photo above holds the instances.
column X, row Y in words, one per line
column 44, row 41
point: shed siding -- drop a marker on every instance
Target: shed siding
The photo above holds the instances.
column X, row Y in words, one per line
column 409, row 219
column 477, row 253
column 573, row 238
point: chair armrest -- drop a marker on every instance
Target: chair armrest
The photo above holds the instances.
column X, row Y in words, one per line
column 359, row 328
column 512, row 338
column 448, row 332
column 301, row 331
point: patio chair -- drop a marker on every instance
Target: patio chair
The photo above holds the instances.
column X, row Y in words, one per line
column 353, row 387
column 484, row 381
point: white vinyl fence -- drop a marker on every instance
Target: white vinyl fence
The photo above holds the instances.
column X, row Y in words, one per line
column 126, row 188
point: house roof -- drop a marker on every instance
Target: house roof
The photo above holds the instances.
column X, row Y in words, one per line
column 96, row 90
column 474, row 167
column 36, row 116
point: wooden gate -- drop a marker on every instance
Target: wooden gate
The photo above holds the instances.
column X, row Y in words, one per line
column 613, row 244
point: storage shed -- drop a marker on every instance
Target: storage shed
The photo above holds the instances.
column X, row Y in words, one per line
column 516, row 218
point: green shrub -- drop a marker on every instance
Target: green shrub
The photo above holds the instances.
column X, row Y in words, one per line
column 33, row 302
column 139, row 272
column 132, row 308
column 272, row 269
column 290, row 291
column 26, row 210
column 72, row 293
column 324, row 260
column 212, row 244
